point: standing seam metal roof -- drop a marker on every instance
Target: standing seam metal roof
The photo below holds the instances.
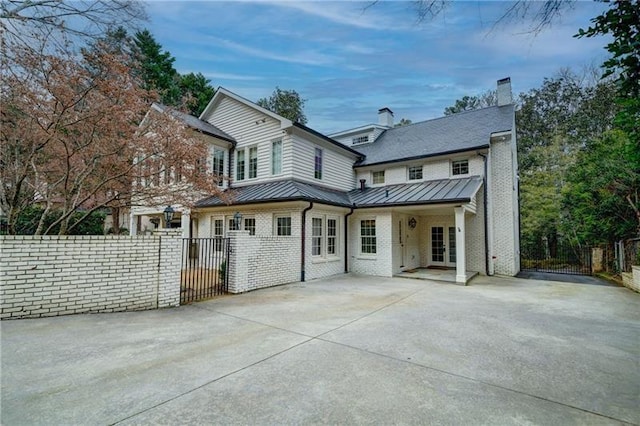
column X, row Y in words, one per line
column 430, row 192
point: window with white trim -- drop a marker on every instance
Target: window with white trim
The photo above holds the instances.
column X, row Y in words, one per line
column 240, row 164
column 282, row 225
column 324, row 236
column 360, row 139
column 316, row 236
column 250, row 225
column 415, row 173
column 253, row 162
column 318, row 164
column 368, row 240
column 460, row 167
column 276, row 157
column 217, row 164
column 378, row 177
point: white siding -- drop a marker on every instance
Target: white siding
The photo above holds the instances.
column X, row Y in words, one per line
column 337, row 169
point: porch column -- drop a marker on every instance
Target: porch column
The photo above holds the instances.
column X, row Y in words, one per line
column 133, row 224
column 461, row 252
column 185, row 223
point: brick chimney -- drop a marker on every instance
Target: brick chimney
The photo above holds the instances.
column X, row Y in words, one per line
column 504, row 92
column 385, row 117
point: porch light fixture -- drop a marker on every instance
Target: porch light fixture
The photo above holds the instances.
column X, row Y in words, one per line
column 237, row 219
column 412, row 223
column 168, row 215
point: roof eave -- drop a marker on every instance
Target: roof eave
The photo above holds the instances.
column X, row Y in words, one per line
column 419, row 157
column 414, row 203
column 328, row 139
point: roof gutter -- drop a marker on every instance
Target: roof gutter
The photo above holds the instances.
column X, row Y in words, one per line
column 303, row 239
column 419, row 157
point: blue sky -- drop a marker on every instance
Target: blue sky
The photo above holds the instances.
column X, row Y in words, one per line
column 348, row 61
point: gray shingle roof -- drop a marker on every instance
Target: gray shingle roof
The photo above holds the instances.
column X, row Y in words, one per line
column 197, row 124
column 283, row 190
column 453, row 133
column 430, row 192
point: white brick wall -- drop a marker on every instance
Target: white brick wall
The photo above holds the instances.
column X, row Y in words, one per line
column 379, row 264
column 259, row 262
column 61, row 275
column 504, row 208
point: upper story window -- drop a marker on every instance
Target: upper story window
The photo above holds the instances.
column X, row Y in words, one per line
column 360, row 139
column 318, row 164
column 253, row 162
column 276, row 157
column 240, row 165
column 415, row 173
column 283, row 225
column 378, row 177
column 460, row 167
column 218, row 164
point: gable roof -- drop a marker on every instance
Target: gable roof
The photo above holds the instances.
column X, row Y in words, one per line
column 459, row 132
column 195, row 123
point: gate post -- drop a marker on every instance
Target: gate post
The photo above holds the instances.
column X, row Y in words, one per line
column 238, row 263
column 169, row 264
column 597, row 256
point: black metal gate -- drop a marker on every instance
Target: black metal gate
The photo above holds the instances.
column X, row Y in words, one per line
column 205, row 268
column 558, row 259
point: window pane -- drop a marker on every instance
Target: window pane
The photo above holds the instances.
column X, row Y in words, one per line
column 378, row 177
column 415, row 173
column 368, row 236
column 283, row 226
column 460, row 167
column 250, row 225
column 218, row 164
column 318, row 164
column 316, row 236
column 253, row 162
column 240, row 168
column 276, row 157
column 331, row 236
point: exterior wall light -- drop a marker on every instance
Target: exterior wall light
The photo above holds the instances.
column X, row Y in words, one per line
column 168, row 216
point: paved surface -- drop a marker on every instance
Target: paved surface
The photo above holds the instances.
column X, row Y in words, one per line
column 566, row 278
column 347, row 350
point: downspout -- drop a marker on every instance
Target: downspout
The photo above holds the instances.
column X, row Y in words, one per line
column 486, row 214
column 346, row 241
column 303, row 235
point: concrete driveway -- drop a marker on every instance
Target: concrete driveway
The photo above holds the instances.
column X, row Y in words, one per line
column 346, row 350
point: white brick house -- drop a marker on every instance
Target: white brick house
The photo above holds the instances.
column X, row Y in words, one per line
column 376, row 199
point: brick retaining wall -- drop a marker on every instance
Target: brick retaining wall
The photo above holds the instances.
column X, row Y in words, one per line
column 60, row 275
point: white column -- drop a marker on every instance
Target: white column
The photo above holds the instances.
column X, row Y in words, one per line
column 461, row 255
column 133, row 224
column 185, row 223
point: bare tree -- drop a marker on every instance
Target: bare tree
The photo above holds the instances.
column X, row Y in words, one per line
column 71, row 139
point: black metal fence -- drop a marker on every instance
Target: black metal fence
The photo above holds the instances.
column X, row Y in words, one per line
column 559, row 259
column 205, row 268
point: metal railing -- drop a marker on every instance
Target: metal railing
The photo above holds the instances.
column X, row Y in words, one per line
column 205, row 268
column 561, row 259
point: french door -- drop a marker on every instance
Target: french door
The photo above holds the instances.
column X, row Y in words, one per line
column 443, row 245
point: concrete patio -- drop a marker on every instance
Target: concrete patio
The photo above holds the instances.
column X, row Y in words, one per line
column 346, row 350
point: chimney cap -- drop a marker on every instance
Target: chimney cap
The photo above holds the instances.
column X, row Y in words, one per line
column 385, row 109
column 504, row 80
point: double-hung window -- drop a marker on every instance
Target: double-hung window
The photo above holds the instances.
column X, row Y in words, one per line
column 283, row 225
column 324, row 237
column 378, row 177
column 250, row 225
column 368, row 236
column 217, row 164
column 318, row 164
column 316, row 236
column 240, row 165
column 276, row 157
column 253, row 162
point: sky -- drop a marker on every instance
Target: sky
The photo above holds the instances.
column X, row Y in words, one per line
column 348, row 60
